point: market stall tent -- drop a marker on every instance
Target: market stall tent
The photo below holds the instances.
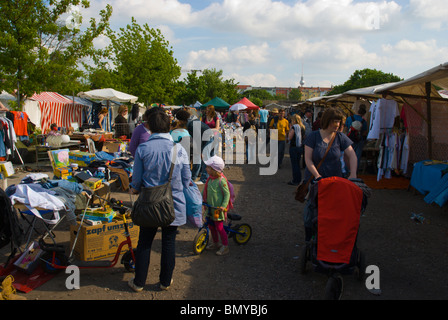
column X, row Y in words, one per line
column 218, row 103
column 108, row 95
column 249, row 104
column 422, row 86
column 56, row 108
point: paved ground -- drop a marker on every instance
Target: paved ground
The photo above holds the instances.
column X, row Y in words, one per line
column 411, row 257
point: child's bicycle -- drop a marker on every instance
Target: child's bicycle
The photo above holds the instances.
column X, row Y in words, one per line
column 240, row 233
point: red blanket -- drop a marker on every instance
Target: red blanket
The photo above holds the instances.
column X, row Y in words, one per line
column 25, row 282
column 339, row 210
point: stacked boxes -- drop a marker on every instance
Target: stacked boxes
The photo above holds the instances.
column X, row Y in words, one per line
column 63, row 172
column 83, row 159
column 100, row 215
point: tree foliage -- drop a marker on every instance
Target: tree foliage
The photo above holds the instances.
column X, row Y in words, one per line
column 364, row 78
column 138, row 61
column 38, row 51
column 206, row 87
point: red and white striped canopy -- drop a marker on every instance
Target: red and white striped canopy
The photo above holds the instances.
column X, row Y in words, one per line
column 56, row 108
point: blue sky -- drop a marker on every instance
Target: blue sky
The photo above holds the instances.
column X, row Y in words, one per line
column 266, row 42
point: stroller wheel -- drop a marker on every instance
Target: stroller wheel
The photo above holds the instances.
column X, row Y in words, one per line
column 360, row 270
column 303, row 258
column 334, row 288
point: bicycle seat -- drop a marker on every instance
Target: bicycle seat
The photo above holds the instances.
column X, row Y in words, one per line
column 233, row 216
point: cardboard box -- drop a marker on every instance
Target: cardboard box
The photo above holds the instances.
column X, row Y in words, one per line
column 7, row 169
column 101, row 241
column 63, row 172
column 112, row 146
column 93, row 183
column 83, row 159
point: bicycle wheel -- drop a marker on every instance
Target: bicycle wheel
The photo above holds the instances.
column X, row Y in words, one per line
column 303, row 258
column 242, row 233
column 60, row 259
column 200, row 241
column 128, row 262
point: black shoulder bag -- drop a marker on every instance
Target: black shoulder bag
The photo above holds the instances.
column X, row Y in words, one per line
column 154, row 206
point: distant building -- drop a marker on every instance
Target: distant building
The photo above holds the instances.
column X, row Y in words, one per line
column 307, row 92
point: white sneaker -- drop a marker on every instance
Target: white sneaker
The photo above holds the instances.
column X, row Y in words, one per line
column 162, row 287
column 199, row 183
column 133, row 286
column 223, row 251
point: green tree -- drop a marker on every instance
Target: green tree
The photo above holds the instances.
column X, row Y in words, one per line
column 206, row 87
column 258, row 93
column 192, row 89
column 142, row 64
column 216, row 86
column 39, row 52
column 295, row 95
column 364, row 78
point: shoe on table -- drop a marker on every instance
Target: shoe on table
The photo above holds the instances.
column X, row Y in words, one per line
column 133, row 286
column 223, row 251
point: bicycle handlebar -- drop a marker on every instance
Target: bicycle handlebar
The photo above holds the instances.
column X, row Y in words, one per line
column 209, row 206
column 118, row 205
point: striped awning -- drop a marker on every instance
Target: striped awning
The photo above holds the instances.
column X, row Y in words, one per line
column 56, row 108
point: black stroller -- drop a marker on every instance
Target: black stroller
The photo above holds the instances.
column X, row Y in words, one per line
column 337, row 205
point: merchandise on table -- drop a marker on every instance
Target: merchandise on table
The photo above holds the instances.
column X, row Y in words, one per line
column 83, row 159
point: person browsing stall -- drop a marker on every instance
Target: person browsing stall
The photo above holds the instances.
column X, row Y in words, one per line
column 102, row 116
column 121, row 123
column 141, row 133
column 295, row 138
column 282, row 125
column 152, row 165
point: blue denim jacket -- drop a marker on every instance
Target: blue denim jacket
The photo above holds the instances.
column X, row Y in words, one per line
column 152, row 165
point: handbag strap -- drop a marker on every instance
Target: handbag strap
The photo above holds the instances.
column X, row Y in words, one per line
column 173, row 161
column 326, row 152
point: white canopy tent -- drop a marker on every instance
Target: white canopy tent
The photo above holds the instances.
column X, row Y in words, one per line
column 108, row 95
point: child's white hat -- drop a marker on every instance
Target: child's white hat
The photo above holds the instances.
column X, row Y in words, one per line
column 216, row 163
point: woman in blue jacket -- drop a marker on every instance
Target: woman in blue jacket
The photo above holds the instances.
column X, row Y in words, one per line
column 152, row 165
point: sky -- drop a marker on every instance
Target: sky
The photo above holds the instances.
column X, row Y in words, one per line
column 273, row 43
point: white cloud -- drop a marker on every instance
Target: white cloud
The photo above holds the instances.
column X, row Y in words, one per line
column 407, row 53
column 155, row 11
column 433, row 12
column 222, row 57
column 340, row 53
column 276, row 20
column 256, row 79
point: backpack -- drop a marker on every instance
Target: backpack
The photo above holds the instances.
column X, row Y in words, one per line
column 231, row 190
column 354, row 132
